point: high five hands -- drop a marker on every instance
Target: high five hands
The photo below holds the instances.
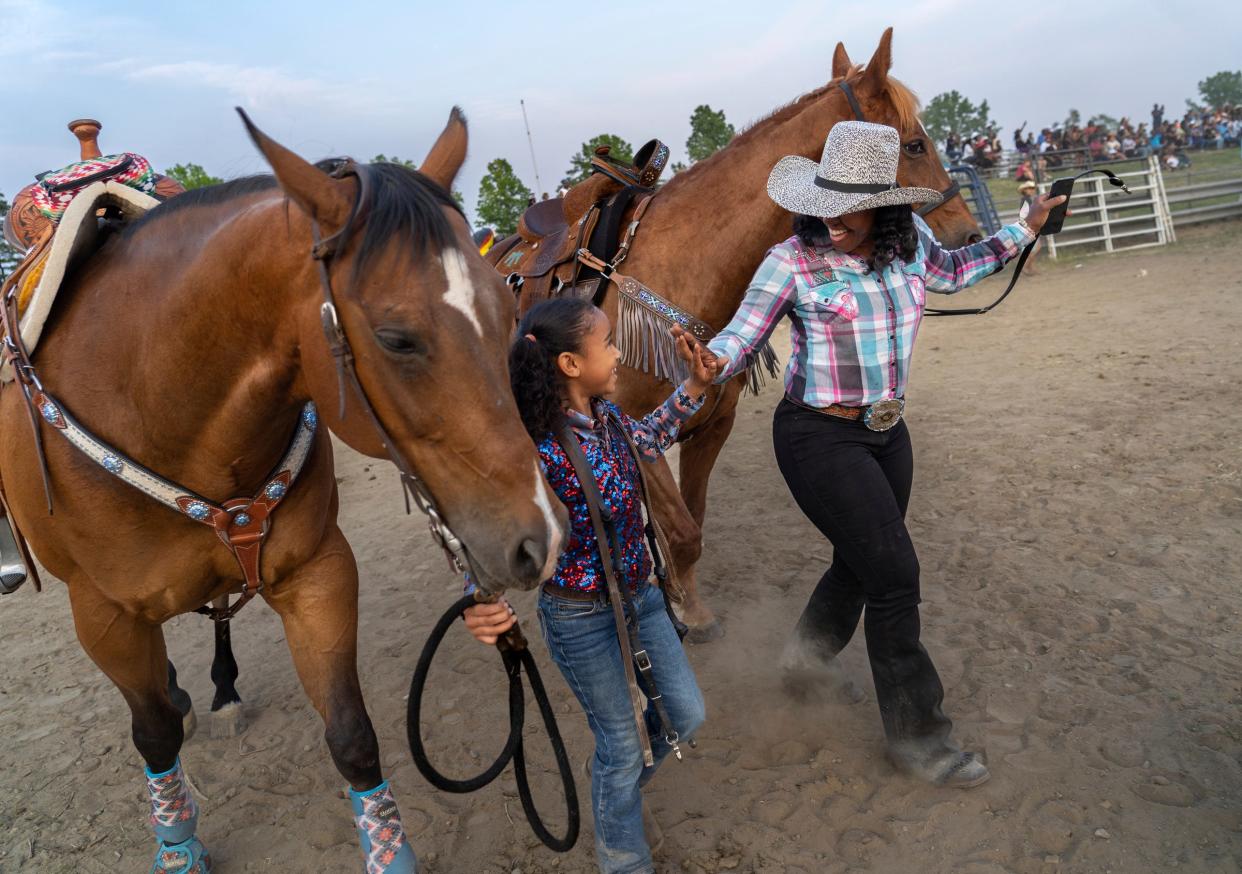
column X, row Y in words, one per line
column 705, row 365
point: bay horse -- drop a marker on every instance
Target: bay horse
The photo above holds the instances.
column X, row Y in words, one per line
column 705, row 233
column 192, row 342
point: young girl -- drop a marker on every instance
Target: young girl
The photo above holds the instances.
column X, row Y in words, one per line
column 561, row 366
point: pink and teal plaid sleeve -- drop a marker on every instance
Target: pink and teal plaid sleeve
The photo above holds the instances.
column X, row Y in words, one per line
column 769, row 299
column 950, row 270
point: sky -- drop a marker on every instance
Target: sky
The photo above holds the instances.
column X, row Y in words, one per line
column 361, row 78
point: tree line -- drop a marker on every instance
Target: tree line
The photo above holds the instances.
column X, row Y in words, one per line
column 951, row 112
column 503, row 196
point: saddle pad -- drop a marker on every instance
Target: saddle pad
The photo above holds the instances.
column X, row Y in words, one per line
column 56, row 190
column 75, row 239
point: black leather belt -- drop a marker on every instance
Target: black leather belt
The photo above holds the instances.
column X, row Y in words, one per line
column 576, row 594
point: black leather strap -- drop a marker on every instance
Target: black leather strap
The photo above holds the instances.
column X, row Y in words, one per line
column 848, row 90
column 945, row 196
column 595, row 507
column 978, row 311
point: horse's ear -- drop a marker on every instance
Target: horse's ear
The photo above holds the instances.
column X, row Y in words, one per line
column 877, row 68
column 323, row 198
column 840, row 62
column 449, row 151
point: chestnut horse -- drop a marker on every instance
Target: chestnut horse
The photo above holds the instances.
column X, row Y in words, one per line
column 703, row 236
column 191, row 342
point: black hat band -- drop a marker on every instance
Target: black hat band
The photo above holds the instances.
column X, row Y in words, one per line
column 854, row 187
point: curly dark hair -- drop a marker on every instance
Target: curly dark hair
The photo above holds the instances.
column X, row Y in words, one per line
column 893, row 235
column 558, row 326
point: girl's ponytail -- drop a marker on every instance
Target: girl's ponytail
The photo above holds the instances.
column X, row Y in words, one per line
column 549, row 329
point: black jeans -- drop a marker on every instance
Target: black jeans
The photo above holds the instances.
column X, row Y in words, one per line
column 854, row 485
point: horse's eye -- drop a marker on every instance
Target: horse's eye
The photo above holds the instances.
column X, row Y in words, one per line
column 916, row 147
column 400, row 341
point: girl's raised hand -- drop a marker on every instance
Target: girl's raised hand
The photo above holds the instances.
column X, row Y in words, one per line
column 487, row 622
column 703, row 364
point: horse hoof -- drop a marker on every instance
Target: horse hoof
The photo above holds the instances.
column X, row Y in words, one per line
column 189, row 724
column 706, row 633
column 227, row 722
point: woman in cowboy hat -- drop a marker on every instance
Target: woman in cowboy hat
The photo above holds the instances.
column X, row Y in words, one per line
column 852, row 281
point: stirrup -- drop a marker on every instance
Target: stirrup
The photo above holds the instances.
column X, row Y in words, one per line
column 187, row 857
column 13, row 570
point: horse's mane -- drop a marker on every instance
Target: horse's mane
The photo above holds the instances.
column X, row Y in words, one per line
column 400, row 201
column 208, row 195
column 905, row 101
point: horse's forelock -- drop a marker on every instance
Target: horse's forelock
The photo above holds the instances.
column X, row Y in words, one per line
column 906, row 102
column 406, row 206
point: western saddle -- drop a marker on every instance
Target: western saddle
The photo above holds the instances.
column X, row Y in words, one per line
column 541, row 260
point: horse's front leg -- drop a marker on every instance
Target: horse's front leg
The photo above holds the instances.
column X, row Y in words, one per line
column 131, row 653
column 698, row 457
column 685, row 539
column 318, row 604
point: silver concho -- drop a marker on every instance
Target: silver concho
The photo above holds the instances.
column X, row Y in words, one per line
column 884, row 414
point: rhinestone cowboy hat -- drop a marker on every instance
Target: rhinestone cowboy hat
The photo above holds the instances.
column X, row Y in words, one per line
column 858, row 171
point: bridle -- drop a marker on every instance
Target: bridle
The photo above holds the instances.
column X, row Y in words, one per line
column 323, row 251
column 926, row 209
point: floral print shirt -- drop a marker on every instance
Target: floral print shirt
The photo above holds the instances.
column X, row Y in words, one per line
column 579, row 566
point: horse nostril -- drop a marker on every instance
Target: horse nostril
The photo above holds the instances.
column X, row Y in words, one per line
column 529, row 559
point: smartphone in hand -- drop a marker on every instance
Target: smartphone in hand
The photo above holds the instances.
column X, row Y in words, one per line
column 1056, row 217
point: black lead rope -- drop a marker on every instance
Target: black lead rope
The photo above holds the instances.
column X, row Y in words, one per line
column 516, row 656
column 1113, row 179
column 978, row 311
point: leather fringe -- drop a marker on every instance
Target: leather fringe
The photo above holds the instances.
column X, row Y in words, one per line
column 646, row 345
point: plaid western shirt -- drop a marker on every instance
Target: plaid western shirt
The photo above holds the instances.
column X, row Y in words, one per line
column 852, row 330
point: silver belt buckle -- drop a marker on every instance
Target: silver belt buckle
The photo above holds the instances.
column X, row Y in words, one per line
column 884, row 414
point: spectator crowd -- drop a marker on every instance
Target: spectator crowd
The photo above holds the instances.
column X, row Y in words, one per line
column 1094, row 142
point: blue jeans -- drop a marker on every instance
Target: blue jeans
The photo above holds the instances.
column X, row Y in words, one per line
column 582, row 639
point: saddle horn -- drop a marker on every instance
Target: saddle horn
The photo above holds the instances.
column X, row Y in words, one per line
column 87, row 131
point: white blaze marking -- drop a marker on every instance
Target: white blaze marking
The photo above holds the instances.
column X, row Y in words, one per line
column 549, row 518
column 460, row 294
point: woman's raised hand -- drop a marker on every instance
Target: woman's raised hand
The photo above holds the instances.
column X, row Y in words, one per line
column 1040, row 207
column 487, row 622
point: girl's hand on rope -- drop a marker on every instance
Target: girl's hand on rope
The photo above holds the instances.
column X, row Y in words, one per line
column 704, row 365
column 488, row 622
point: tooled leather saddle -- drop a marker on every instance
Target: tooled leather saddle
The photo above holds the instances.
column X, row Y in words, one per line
column 540, row 260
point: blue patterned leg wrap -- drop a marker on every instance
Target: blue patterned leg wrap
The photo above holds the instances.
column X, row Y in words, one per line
column 174, row 815
column 385, row 846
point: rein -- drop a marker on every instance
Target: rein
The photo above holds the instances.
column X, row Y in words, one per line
column 516, row 655
column 952, row 191
column 1113, row 179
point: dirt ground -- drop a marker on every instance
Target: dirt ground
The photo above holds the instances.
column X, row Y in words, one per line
column 1078, row 514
